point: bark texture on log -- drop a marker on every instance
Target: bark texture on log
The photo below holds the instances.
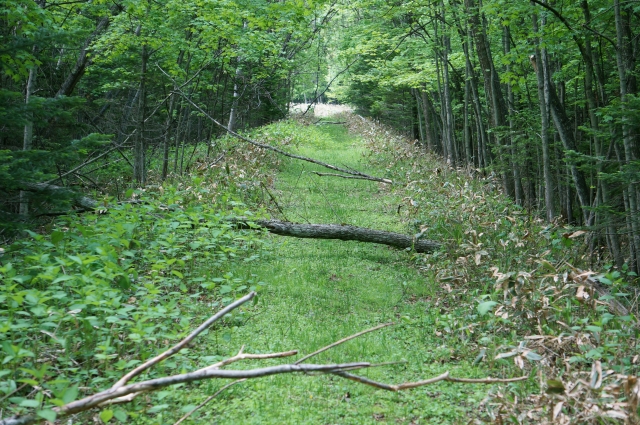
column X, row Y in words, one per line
column 343, row 233
column 78, row 200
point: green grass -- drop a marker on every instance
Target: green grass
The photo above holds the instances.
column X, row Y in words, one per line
column 320, row 291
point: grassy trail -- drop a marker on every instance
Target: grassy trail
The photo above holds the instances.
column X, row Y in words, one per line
column 320, row 291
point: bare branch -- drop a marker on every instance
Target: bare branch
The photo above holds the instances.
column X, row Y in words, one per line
column 243, row 356
column 338, row 175
column 408, row 385
column 273, row 148
column 179, row 346
column 328, row 347
column 211, row 397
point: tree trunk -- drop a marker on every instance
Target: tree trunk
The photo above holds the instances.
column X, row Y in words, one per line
column 491, row 81
column 517, row 183
column 544, row 129
column 625, row 66
column 83, row 60
column 343, row 233
column 27, row 141
column 139, row 160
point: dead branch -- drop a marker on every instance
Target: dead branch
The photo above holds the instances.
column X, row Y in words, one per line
column 338, row 175
column 80, row 201
column 179, row 346
column 340, row 232
column 273, row 148
column 122, row 393
column 330, row 346
column 408, row 385
column 208, row 399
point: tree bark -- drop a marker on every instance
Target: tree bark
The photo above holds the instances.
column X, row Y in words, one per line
column 343, row 233
column 82, row 62
column 544, row 129
column 477, row 28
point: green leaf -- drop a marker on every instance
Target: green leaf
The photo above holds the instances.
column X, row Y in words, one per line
column 177, row 273
column 49, row 415
column 555, row 386
column 120, row 415
column 485, row 307
column 56, row 237
column 157, row 408
column 29, row 403
column 531, row 355
column 106, row 415
column 70, row 394
column 595, row 329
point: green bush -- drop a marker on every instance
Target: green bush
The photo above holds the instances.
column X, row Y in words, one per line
column 101, row 293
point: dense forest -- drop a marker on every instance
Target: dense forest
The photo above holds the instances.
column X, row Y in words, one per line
column 111, row 107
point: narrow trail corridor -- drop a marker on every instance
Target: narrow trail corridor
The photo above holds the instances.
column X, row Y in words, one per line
column 319, row 291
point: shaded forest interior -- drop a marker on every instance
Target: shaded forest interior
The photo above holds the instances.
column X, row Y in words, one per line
column 542, row 95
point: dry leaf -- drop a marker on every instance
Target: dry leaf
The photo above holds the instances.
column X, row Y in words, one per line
column 577, row 234
column 557, row 409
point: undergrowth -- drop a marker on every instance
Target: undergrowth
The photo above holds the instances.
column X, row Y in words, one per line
column 100, row 293
column 90, row 296
column 575, row 330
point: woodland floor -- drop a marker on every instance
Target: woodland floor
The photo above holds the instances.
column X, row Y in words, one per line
column 319, row 291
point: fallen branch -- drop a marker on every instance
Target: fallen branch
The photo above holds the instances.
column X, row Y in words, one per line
column 273, row 148
column 340, row 232
column 337, row 175
column 78, row 200
column 613, row 304
column 120, row 392
column 408, row 385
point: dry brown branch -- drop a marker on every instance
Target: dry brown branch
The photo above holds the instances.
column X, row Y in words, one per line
column 340, row 232
column 243, row 356
column 122, row 393
column 211, row 397
column 273, row 148
column 330, row 346
column 179, row 346
column 584, row 278
column 408, row 385
column 338, row 175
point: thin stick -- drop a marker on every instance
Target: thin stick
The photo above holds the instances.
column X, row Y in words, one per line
column 274, row 201
column 179, row 346
column 390, row 387
column 337, row 175
column 243, row 356
column 211, row 397
column 375, row 328
column 89, row 161
column 272, row 148
column 408, row 385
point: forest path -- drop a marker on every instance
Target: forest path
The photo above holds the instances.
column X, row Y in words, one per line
column 320, row 291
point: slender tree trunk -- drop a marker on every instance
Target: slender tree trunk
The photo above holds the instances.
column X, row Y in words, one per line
column 517, row 181
column 83, row 60
column 613, row 241
column 563, row 127
column 544, row 129
column 27, row 141
column 624, row 62
column 139, row 164
column 493, row 90
column 427, row 120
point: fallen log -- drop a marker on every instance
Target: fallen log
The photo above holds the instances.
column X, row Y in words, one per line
column 78, row 200
column 341, row 232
